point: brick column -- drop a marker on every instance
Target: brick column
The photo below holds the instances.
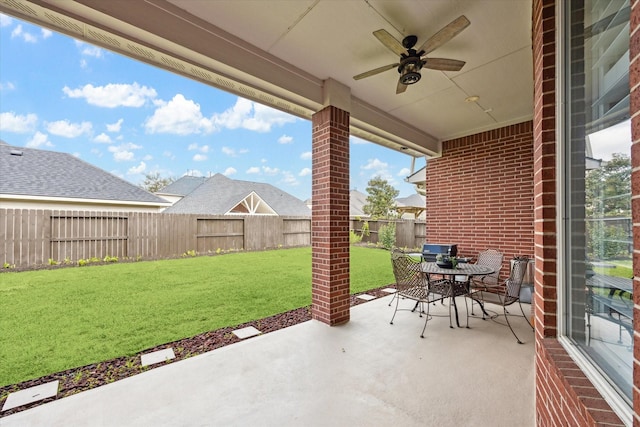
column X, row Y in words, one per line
column 330, row 298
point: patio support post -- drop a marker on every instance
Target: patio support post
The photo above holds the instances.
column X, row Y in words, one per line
column 330, row 300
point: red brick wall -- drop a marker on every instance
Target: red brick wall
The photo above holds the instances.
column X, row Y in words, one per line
column 564, row 396
column 480, row 193
column 330, row 216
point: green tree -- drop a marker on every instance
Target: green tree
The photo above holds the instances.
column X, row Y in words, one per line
column 607, row 204
column 608, row 188
column 381, row 199
column 153, row 182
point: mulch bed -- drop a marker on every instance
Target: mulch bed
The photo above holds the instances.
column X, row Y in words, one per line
column 84, row 378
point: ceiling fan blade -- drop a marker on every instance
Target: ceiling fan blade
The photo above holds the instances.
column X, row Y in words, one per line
column 400, row 88
column 443, row 64
column 390, row 42
column 454, row 28
column 375, row 71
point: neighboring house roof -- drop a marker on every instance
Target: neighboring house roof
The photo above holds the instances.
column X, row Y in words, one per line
column 219, row 195
column 419, row 179
column 357, row 201
column 50, row 174
column 415, row 200
column 184, row 185
column 414, row 204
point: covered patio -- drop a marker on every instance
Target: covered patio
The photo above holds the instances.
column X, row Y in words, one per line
column 365, row 372
column 494, row 138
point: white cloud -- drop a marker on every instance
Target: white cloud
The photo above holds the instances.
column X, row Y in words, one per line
column 69, row 130
column 103, row 138
column 306, row 155
column 46, row 33
column 39, row 140
column 169, row 155
column 5, row 20
column 7, row 86
column 229, row 171
column 375, row 164
column 404, row 172
column 378, row 168
column 252, row 116
column 305, row 172
column 285, row 139
column 12, row 122
column 270, row 171
column 134, row 170
column 253, row 170
column 25, row 36
column 147, row 158
column 89, row 50
column 193, row 172
column 113, row 95
column 199, row 157
column 122, row 152
column 196, row 147
column 84, row 64
column 289, row 179
column 115, row 127
column 76, row 154
column 229, row 151
column 179, row 116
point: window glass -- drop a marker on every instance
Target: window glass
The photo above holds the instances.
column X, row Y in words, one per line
column 599, row 305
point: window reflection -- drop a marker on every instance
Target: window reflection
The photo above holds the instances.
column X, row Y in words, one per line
column 598, row 194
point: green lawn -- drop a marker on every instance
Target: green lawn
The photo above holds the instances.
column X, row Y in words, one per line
column 53, row 320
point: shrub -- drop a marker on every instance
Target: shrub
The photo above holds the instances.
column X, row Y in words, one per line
column 354, row 237
column 387, row 236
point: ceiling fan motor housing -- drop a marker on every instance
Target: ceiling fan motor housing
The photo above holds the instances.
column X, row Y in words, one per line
column 410, row 67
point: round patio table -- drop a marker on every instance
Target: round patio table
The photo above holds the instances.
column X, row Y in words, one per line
column 457, row 287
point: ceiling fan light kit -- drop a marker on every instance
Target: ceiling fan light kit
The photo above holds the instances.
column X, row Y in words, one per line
column 411, row 60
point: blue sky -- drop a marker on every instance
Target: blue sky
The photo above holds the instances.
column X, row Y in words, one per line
column 131, row 119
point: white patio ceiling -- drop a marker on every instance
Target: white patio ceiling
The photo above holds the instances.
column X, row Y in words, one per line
column 300, row 55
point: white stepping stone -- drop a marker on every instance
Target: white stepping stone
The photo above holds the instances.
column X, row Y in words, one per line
column 247, row 332
column 157, row 357
column 30, row 395
column 366, row 297
column 389, row 290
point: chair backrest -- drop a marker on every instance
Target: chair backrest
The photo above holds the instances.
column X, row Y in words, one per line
column 493, row 259
column 514, row 282
column 406, row 270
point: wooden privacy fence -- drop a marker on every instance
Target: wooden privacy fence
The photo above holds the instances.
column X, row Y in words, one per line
column 409, row 233
column 30, row 237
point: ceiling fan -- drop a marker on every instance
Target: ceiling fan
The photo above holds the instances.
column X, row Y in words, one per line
column 412, row 60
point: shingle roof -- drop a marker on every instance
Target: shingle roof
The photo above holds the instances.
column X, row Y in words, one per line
column 219, row 194
column 184, row 185
column 31, row 172
column 413, row 200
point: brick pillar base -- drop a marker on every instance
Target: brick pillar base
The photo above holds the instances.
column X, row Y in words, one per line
column 330, row 299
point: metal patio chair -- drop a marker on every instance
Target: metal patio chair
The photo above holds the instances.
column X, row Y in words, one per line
column 504, row 294
column 490, row 258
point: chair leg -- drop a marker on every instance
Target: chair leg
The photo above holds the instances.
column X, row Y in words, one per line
column 524, row 315
column 396, row 310
column 506, row 317
column 426, row 319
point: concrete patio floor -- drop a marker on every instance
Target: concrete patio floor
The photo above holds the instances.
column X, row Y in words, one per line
column 364, row 373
